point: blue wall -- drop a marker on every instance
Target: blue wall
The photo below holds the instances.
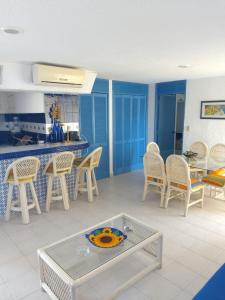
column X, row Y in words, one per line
column 171, row 87
column 167, row 88
column 129, row 125
column 94, row 122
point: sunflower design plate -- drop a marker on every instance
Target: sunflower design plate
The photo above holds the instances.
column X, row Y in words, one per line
column 106, row 237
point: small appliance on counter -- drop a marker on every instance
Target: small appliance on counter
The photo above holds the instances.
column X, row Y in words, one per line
column 74, row 136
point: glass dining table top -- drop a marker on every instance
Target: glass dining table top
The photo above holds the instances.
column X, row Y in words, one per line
column 207, row 165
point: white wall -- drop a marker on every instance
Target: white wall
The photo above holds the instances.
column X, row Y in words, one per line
column 209, row 131
column 18, row 102
column 151, row 112
column 29, row 102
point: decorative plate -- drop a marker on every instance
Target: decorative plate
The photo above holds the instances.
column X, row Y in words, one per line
column 106, row 237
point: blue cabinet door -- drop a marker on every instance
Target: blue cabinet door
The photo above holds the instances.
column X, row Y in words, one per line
column 94, row 126
column 129, row 134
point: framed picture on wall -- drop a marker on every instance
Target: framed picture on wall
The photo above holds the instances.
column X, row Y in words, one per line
column 213, row 109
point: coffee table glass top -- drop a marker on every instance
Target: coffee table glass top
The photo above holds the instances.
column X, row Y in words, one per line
column 77, row 256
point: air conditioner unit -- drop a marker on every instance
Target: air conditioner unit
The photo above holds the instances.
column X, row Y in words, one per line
column 58, row 76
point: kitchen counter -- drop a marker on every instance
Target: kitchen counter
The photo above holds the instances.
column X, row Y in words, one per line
column 44, row 153
column 9, row 152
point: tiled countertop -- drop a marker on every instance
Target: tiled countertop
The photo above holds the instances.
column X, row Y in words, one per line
column 9, row 152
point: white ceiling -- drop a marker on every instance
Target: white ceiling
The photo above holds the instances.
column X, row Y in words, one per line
column 133, row 40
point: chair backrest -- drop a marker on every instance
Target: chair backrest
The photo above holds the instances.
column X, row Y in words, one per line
column 23, row 169
column 178, row 172
column 93, row 159
column 152, row 147
column 201, row 148
column 61, row 163
column 154, row 165
column 217, row 153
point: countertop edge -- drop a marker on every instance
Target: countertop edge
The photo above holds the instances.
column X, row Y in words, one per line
column 44, row 150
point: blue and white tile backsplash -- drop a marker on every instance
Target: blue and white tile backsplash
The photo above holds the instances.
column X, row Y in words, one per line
column 37, row 125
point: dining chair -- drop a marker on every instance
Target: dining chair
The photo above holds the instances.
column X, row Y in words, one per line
column 151, row 146
column 20, row 173
column 180, row 184
column 201, row 149
column 155, row 175
column 217, row 153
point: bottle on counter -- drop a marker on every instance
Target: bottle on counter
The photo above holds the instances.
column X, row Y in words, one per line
column 61, row 134
column 55, row 131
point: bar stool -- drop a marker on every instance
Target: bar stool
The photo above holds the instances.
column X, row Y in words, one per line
column 85, row 177
column 60, row 165
column 21, row 172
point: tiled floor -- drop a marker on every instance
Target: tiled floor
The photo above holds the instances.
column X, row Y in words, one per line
column 194, row 247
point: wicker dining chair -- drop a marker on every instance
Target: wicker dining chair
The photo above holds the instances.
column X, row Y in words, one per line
column 155, row 175
column 60, row 165
column 180, row 185
column 201, row 149
column 85, row 176
column 20, row 173
column 217, row 153
column 215, row 180
column 151, row 146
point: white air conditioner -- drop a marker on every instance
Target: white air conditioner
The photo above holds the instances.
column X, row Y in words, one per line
column 58, row 76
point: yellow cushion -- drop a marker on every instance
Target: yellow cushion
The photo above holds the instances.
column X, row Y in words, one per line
column 215, row 179
column 149, row 178
column 195, row 184
column 218, row 172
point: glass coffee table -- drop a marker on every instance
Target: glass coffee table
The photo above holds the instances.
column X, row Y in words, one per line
column 73, row 261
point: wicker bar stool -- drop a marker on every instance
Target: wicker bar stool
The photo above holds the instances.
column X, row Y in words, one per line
column 60, row 165
column 85, row 177
column 21, row 172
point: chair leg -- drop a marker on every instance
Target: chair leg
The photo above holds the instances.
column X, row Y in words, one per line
column 81, row 180
column 187, row 201
column 163, row 190
column 9, row 202
column 23, row 203
column 77, row 182
column 89, row 186
column 167, row 197
column 145, row 191
column 65, row 196
column 95, row 183
column 202, row 197
column 49, row 193
column 35, row 199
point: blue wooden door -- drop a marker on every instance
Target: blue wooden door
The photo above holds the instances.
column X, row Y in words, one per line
column 129, row 134
column 94, row 126
column 166, row 124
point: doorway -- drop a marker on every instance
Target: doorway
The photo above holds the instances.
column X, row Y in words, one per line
column 170, row 123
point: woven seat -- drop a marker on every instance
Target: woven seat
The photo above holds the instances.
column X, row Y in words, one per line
column 78, row 160
column 180, row 185
column 60, row 165
column 20, row 173
column 155, row 175
column 85, row 176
